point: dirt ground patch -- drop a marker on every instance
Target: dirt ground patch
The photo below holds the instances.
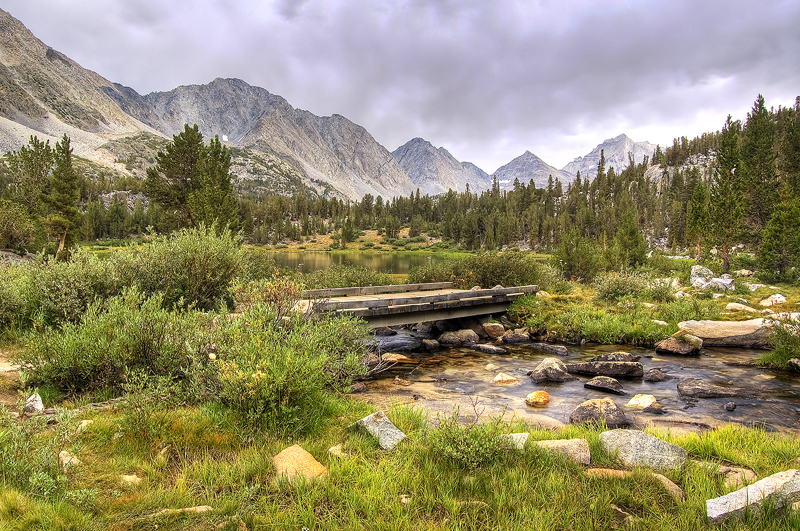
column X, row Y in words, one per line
column 9, row 379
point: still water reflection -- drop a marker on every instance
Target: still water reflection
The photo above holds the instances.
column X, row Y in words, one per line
column 393, row 263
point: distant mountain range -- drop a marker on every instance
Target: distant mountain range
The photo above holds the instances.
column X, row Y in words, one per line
column 44, row 93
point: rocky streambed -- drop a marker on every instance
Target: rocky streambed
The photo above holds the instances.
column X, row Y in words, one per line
column 692, row 392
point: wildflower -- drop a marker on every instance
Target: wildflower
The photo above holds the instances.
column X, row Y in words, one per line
column 212, row 356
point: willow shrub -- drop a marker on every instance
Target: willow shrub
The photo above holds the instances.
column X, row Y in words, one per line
column 126, row 333
column 195, row 266
column 274, row 369
column 785, row 341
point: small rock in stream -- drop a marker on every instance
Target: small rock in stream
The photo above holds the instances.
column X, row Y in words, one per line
column 730, row 406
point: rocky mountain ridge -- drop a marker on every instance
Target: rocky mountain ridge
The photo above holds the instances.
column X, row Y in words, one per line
column 435, row 171
column 284, row 149
column 615, row 151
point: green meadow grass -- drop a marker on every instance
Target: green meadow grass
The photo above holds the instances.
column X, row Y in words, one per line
column 206, row 457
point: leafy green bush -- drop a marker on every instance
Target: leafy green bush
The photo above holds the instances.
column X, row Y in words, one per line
column 274, row 371
column 785, row 341
column 61, row 291
column 193, row 265
column 126, row 333
column 12, row 298
column 29, row 455
column 578, row 258
column 486, row 270
column 597, row 325
column 470, row 446
column 679, row 310
column 660, row 291
column 617, row 286
column 345, row 276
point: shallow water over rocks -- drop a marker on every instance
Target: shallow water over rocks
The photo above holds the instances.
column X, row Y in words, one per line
column 459, row 377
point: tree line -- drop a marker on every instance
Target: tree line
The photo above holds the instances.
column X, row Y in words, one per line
column 749, row 196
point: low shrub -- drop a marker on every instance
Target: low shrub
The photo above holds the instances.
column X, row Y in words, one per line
column 785, row 341
column 469, row 446
column 61, row 291
column 597, row 325
column 274, row 371
column 485, row 270
column 114, row 337
column 29, row 455
column 617, row 286
column 344, row 276
column 578, row 258
column 194, row 266
column 686, row 309
column 12, row 295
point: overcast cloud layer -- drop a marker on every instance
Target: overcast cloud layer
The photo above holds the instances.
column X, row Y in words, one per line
column 486, row 80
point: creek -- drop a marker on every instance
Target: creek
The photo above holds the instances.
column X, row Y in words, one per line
column 459, row 378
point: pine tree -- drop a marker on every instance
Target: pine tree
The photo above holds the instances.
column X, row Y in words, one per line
column 758, row 167
column 725, row 209
column 213, row 200
column 697, row 218
column 63, row 198
column 779, row 252
column 176, row 174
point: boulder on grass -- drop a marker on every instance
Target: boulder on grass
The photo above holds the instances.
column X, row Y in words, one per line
column 576, row 449
column 781, row 489
column 379, row 426
column 599, row 410
column 636, row 448
column 296, row 464
column 738, row 334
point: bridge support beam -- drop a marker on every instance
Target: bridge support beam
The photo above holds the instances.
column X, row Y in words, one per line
column 376, row 321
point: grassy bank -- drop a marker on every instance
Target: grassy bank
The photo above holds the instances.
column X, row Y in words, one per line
column 202, row 456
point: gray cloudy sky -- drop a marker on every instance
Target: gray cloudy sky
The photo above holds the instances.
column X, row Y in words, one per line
column 486, row 79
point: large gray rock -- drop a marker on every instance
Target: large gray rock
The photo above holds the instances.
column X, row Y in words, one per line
column 656, row 375
column 636, row 448
column 782, row 489
column 722, row 284
column 552, row 370
column 605, row 384
column 515, row 337
column 457, row 338
column 794, row 364
column 616, row 369
column 616, row 356
column 599, row 410
column 576, row 449
column 739, row 334
column 488, row 349
column 398, row 343
column 379, row 426
column 700, row 273
column 33, row 404
column 558, row 350
column 695, row 388
column 494, row 330
column 676, row 346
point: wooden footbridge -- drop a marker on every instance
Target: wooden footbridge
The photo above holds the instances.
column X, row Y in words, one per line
column 414, row 303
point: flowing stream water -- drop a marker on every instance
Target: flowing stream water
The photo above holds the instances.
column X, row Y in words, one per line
column 460, row 378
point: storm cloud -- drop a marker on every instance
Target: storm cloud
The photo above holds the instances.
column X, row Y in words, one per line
column 486, row 80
